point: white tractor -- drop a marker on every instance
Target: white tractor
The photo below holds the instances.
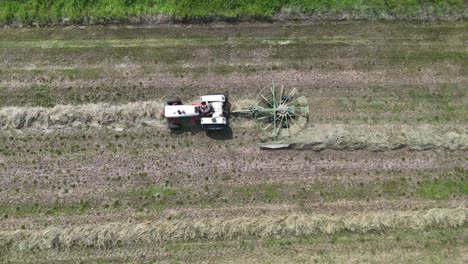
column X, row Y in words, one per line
column 210, row 112
column 278, row 115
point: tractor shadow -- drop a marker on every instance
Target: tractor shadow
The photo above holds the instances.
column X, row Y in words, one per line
column 225, row 134
column 189, row 127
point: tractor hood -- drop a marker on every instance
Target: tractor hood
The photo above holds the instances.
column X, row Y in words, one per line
column 176, row 111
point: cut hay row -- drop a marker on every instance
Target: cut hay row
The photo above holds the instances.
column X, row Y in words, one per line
column 316, row 137
column 82, row 116
column 109, row 235
column 383, row 137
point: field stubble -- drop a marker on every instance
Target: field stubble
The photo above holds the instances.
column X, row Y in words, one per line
column 86, row 160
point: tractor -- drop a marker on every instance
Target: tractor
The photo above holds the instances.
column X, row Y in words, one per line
column 279, row 115
column 210, row 112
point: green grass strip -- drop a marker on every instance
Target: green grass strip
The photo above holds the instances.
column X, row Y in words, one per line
column 92, row 11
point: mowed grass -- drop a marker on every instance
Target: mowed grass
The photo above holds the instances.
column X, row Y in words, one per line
column 131, row 176
column 84, row 11
column 437, row 234
column 451, row 185
column 36, row 209
column 153, row 192
column 455, row 183
column 401, row 73
column 439, row 245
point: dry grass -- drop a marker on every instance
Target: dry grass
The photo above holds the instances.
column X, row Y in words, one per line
column 383, row 137
column 316, row 137
column 115, row 234
column 371, row 86
column 439, row 246
column 81, row 116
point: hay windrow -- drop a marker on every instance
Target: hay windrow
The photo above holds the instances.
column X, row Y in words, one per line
column 82, row 116
column 383, row 137
column 116, row 234
column 374, row 137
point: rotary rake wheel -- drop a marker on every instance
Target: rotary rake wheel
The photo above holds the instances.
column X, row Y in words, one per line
column 280, row 115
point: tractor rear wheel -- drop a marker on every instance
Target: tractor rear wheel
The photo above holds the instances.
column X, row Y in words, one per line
column 174, row 101
column 173, row 126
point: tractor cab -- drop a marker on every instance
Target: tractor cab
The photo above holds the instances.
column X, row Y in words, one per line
column 213, row 108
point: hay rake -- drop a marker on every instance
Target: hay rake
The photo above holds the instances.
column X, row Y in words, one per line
column 278, row 116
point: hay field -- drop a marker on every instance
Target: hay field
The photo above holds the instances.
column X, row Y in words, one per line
column 90, row 173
